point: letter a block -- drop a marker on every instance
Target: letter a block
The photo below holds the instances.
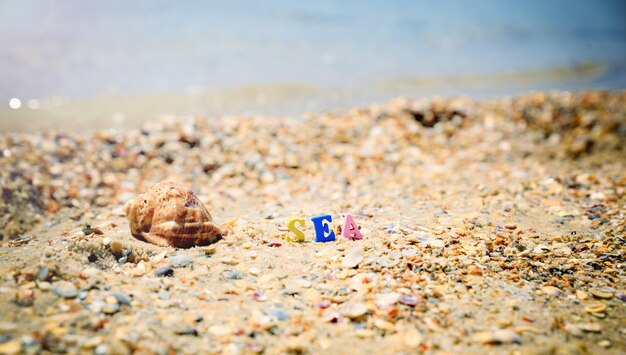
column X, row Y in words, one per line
column 350, row 229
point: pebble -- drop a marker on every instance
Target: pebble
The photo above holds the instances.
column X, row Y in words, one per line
column 353, row 257
column 11, row 347
column 604, row 343
column 45, row 274
column 353, row 310
column 232, row 275
column 591, row 327
column 121, row 298
column 181, row 260
column 186, row 331
column 602, row 294
column 552, row 291
column 230, row 260
column 412, row 338
column 408, row 300
column 25, row 297
column 209, row 249
column 65, row 289
column 502, row 336
column 164, row 271
column 117, row 249
column 597, row 307
column 110, row 308
column 279, row 314
column 386, row 300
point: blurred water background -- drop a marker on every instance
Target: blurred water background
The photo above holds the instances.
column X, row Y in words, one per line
column 95, row 64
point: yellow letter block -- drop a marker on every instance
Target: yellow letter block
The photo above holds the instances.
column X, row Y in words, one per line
column 297, row 236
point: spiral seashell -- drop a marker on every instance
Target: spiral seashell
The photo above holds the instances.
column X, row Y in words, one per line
column 168, row 214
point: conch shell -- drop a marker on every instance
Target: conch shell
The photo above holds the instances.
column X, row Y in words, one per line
column 171, row 214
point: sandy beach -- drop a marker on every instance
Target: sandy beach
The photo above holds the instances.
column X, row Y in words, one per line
column 489, row 227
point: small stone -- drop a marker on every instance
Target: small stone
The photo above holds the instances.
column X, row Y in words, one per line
column 502, row 336
column 552, row 291
column 510, row 226
column 11, row 347
column 604, row 343
column 230, row 260
column 45, row 274
column 412, row 338
column 121, row 298
column 164, row 271
column 364, row 333
column 65, row 289
column 186, row 331
column 181, row 260
column 353, row 257
column 232, row 275
column 386, row 300
column 117, row 249
column 209, row 249
column 25, row 297
column 591, row 327
column 259, row 296
column 582, row 295
column 102, row 349
column 110, row 308
column 254, row 271
column 602, row 294
column 597, row 307
column 573, row 329
column 219, row 330
column 279, row 314
column 408, row 300
column 353, row 310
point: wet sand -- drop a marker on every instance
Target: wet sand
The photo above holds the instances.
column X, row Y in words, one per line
column 488, row 227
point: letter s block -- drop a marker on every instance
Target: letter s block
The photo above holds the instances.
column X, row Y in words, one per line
column 297, row 235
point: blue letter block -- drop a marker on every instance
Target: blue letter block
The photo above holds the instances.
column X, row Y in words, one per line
column 322, row 231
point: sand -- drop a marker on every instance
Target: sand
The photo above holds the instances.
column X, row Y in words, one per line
column 488, row 227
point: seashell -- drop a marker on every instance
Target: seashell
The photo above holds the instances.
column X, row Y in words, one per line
column 169, row 214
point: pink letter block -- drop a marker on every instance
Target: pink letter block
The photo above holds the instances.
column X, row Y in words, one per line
column 350, row 229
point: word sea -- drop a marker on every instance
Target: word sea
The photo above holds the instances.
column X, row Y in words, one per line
column 323, row 232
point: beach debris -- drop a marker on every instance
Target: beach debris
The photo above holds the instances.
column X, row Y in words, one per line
column 353, row 310
column 88, row 230
column 500, row 336
column 25, row 297
column 181, row 260
column 353, row 257
column 169, row 214
column 65, row 289
column 20, row 241
column 164, row 271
